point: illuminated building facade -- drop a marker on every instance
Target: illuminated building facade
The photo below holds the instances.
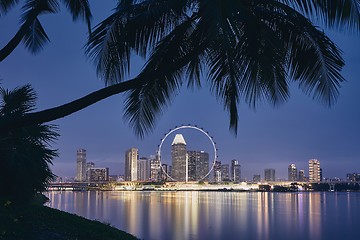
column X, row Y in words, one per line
column 314, row 170
column 131, row 158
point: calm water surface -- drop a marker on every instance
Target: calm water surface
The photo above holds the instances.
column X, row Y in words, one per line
column 219, row 215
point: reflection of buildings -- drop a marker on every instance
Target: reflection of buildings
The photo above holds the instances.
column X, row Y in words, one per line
column 178, row 157
column 314, row 170
column 131, row 158
column 143, row 169
column 235, row 171
column 81, row 165
column 269, row 174
column 292, row 173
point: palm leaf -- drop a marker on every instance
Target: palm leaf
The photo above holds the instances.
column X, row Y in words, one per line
column 6, row 5
column 80, row 9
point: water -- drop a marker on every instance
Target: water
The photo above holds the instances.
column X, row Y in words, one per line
column 219, row 215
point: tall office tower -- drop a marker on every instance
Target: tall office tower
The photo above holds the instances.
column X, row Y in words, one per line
column 143, row 169
column 198, row 165
column 131, row 158
column 225, row 172
column 269, row 174
column 98, row 174
column 301, row 177
column 81, row 165
column 89, row 166
column 314, row 170
column 155, row 170
column 164, row 172
column 179, row 158
column 292, row 173
column 256, row 178
column 217, row 171
column 235, row 171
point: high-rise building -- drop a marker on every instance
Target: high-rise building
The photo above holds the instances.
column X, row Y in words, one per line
column 353, row 177
column 235, row 171
column 98, row 174
column 179, row 158
column 143, row 169
column 155, row 170
column 89, row 165
column 217, row 171
column 256, row 178
column 225, row 176
column 292, row 173
column 314, row 170
column 301, row 176
column 164, row 172
column 269, row 174
column 198, row 165
column 131, row 158
column 81, row 165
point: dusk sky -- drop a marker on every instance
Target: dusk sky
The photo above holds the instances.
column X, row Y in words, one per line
column 267, row 137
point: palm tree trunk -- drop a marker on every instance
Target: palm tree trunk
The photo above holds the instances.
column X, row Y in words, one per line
column 15, row 41
column 68, row 108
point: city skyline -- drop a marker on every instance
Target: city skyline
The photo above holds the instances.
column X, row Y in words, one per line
column 271, row 137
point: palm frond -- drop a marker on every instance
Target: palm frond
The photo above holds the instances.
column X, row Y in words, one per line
column 80, row 9
column 19, row 101
column 35, row 38
column 343, row 15
column 6, row 5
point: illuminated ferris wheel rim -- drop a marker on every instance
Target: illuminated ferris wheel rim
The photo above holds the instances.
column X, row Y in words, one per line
column 188, row 127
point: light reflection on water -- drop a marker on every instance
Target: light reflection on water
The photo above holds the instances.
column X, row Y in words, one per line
column 219, row 215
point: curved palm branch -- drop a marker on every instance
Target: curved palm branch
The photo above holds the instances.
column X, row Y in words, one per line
column 31, row 30
column 251, row 50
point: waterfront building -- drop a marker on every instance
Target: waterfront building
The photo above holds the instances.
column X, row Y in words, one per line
column 179, row 158
column 155, row 170
column 301, row 176
column 256, row 178
column 131, row 158
column 89, row 165
column 235, row 171
column 217, row 171
column 314, row 170
column 225, row 176
column 81, row 165
column 353, row 177
column 269, row 174
column 164, row 172
column 98, row 174
column 143, row 169
column 292, row 173
column 198, row 165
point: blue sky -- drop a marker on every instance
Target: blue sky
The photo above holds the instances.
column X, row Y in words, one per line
column 267, row 137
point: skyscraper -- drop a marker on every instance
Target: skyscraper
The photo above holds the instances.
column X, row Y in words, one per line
column 269, row 174
column 179, row 158
column 131, row 158
column 225, row 172
column 81, row 165
column 314, row 170
column 198, row 165
column 301, row 177
column 217, row 171
column 292, row 173
column 143, row 169
column 235, row 171
column 155, row 170
column 98, row 174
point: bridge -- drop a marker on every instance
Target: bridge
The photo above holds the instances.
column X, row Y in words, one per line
column 193, row 186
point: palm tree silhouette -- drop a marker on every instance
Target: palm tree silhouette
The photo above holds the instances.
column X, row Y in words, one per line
column 31, row 30
column 24, row 152
column 247, row 50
